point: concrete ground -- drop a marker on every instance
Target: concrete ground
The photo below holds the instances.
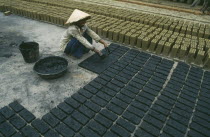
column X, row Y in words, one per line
column 19, row 81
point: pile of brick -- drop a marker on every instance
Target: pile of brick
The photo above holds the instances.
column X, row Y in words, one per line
column 183, row 1
column 161, row 35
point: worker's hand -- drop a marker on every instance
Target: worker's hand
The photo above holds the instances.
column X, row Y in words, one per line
column 105, row 45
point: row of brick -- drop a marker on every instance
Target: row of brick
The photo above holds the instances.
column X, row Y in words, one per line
column 193, row 49
column 186, row 27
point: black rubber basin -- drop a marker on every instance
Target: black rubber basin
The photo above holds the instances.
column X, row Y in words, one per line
column 51, row 67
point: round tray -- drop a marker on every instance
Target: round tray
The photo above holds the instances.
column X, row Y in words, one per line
column 51, row 67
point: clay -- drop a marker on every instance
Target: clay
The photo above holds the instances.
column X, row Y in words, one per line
column 50, row 66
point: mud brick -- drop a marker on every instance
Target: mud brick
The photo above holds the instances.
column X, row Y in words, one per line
column 180, row 119
column 143, row 100
column 113, row 87
column 169, row 95
column 17, row 122
column 99, row 101
column 124, row 98
column 180, row 127
column 199, row 58
column 136, row 85
column 150, row 128
column 127, row 38
column 187, row 97
column 199, row 128
column 105, row 77
column 136, row 111
column 159, row 48
column 155, row 85
column 132, row 89
column 120, row 131
column 110, row 134
column 50, row 119
column 92, row 106
column 26, row 115
column 66, row 108
column 139, row 41
column 51, row 133
column 87, row 132
column 2, row 119
column 126, row 124
column 6, row 129
column 95, row 85
column 165, row 102
column 104, row 96
column 146, row 95
column 7, row 112
column 174, row 87
column 128, row 93
column 103, row 120
column 119, row 103
column 145, row 43
column 80, row 117
column 76, row 126
column 153, row 45
column 118, row 83
column 40, row 126
column 133, row 70
column 153, row 121
column 187, row 103
column 191, row 55
column 109, row 91
column 114, row 108
column 30, row 132
column 201, row 121
column 203, row 109
column 204, row 104
column 108, row 114
column 64, row 130
column 72, row 102
column 133, row 39
column 113, row 70
column 184, row 107
column 142, row 133
column 122, row 36
column 131, row 117
column 116, row 67
column 122, row 79
column 98, row 128
column 172, row 131
column 140, row 81
column 16, row 135
column 91, row 89
column 105, row 32
column 161, row 109
column 85, row 93
column 88, row 112
column 142, row 77
column 100, row 80
column 130, row 73
column 16, row 106
column 167, row 48
column 194, row 133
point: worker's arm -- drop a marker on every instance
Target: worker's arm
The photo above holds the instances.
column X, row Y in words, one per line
column 97, row 38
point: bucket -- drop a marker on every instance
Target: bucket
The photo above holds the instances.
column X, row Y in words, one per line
column 30, row 51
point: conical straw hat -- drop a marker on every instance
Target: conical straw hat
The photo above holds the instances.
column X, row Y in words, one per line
column 77, row 15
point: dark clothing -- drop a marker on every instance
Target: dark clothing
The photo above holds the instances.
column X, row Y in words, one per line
column 77, row 49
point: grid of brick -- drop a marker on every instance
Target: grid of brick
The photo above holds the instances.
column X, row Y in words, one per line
column 129, row 98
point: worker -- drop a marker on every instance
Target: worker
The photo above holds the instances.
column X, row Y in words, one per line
column 77, row 39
